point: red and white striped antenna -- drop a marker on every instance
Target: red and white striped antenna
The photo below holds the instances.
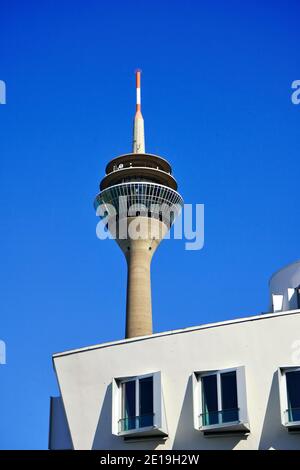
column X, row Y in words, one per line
column 138, row 89
column 138, row 127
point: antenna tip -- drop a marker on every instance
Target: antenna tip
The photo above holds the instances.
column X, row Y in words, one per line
column 138, row 78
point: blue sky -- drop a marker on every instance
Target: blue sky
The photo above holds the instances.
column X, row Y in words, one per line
column 216, row 102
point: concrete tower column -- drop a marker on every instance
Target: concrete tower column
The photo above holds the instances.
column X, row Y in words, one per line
column 138, row 304
column 144, row 234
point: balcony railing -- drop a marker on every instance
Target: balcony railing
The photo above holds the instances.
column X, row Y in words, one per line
column 136, row 422
column 219, row 417
column 292, row 415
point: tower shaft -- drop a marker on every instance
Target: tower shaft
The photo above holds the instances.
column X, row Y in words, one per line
column 139, row 252
column 138, row 304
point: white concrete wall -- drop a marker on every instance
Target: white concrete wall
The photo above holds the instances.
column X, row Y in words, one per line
column 282, row 285
column 261, row 344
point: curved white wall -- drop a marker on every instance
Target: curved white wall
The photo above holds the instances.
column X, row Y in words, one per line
column 283, row 283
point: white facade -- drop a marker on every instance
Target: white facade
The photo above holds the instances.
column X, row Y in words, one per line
column 258, row 349
column 284, row 288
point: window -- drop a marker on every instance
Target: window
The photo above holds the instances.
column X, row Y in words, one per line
column 138, row 407
column 293, row 395
column 137, row 398
column 289, row 388
column 220, row 400
column 277, row 302
column 292, row 297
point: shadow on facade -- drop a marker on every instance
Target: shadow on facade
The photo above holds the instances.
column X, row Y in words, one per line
column 104, row 439
column 103, row 434
column 186, row 437
column 274, row 435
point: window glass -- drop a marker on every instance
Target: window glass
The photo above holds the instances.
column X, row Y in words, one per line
column 146, row 401
column 229, row 397
column 219, row 398
column 209, row 400
column 129, row 398
column 293, row 395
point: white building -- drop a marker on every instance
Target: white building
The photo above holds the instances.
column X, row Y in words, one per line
column 227, row 385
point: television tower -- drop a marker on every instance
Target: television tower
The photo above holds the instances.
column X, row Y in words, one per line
column 139, row 200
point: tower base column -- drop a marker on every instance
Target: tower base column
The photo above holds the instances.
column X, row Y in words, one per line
column 144, row 234
column 138, row 307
